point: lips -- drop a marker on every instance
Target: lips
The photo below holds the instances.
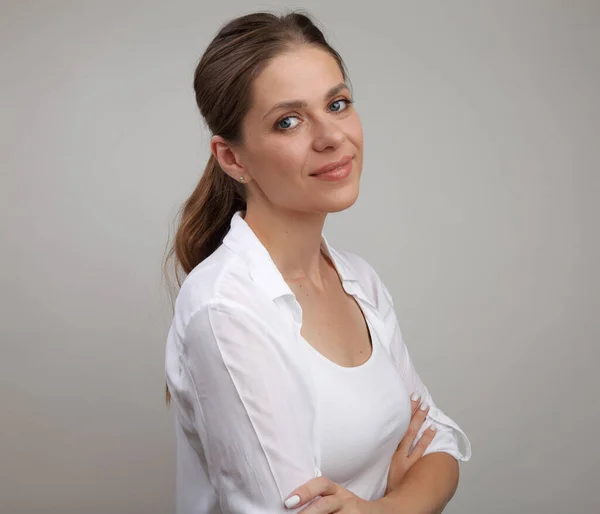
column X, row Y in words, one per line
column 332, row 166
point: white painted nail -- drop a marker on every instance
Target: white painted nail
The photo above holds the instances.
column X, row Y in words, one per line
column 423, row 406
column 415, row 396
column 292, row 501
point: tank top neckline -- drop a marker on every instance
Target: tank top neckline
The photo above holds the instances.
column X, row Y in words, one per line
column 348, row 369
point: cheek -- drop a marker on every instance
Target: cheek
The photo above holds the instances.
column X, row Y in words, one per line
column 279, row 158
column 355, row 132
column 286, row 154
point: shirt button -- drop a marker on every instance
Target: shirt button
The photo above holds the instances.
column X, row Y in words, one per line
column 318, row 472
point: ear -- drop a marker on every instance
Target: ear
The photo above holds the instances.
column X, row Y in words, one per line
column 228, row 159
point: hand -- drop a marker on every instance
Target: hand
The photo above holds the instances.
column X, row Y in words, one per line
column 401, row 460
column 334, row 498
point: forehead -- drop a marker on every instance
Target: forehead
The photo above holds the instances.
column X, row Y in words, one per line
column 304, row 73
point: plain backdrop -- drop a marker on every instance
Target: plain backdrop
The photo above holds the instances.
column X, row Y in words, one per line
column 478, row 208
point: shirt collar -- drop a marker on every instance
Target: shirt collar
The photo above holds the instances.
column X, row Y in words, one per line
column 242, row 240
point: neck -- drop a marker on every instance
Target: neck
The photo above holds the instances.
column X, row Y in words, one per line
column 293, row 240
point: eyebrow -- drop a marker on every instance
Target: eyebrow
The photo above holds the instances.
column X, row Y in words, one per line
column 299, row 104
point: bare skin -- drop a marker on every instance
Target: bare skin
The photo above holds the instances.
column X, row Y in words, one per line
column 282, row 147
column 332, row 321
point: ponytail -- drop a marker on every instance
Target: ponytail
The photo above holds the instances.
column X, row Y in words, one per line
column 205, row 217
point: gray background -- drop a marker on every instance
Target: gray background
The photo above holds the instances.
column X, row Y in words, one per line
column 477, row 207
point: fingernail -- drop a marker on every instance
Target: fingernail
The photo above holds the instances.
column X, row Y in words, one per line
column 415, row 396
column 292, row 501
column 423, row 406
column 433, row 428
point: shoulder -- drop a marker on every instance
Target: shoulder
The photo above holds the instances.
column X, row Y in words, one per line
column 222, row 279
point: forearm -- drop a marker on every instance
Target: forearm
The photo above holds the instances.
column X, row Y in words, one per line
column 426, row 488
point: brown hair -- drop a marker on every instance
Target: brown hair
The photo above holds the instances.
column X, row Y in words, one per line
column 222, row 83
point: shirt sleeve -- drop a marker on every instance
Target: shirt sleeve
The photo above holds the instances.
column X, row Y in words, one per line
column 449, row 437
column 236, row 379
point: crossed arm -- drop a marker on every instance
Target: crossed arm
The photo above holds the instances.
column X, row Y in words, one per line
column 426, row 488
column 231, row 380
column 416, row 483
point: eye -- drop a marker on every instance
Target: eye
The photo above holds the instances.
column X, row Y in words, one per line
column 340, row 104
column 287, row 123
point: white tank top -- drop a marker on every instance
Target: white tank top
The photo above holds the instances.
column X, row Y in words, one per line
column 362, row 414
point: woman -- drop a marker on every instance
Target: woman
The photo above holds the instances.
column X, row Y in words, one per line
column 285, row 362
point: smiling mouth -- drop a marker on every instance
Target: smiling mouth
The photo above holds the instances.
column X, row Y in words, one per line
column 333, row 167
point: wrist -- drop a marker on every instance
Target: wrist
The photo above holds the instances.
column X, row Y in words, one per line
column 384, row 505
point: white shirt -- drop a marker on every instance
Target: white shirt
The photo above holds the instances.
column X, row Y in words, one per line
column 362, row 413
column 257, row 412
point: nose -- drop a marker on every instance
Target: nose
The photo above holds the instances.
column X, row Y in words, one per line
column 327, row 136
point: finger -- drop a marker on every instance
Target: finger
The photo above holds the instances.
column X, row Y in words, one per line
column 415, row 400
column 324, row 505
column 319, row 486
column 424, row 442
column 413, row 429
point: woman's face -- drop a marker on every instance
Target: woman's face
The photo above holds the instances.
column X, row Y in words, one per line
column 301, row 120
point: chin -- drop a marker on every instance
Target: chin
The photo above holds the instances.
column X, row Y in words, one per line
column 341, row 200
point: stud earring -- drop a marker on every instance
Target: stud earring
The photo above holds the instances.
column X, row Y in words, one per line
column 241, row 179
